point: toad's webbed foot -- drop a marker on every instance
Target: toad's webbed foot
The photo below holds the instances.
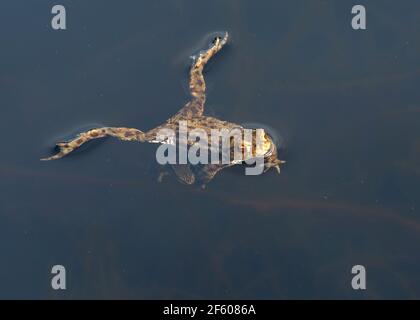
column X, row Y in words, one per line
column 124, row 134
column 162, row 175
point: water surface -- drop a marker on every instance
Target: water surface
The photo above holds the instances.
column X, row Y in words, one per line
column 345, row 104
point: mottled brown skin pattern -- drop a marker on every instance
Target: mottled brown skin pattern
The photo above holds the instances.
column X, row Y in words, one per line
column 192, row 112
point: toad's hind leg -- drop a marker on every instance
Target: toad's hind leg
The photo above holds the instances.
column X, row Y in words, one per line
column 124, row 134
column 197, row 84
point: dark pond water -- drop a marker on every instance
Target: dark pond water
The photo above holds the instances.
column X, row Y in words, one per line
column 345, row 104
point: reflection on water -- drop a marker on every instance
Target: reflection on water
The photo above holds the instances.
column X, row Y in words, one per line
column 344, row 103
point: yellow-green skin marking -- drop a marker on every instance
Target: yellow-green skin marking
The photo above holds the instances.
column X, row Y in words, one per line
column 192, row 113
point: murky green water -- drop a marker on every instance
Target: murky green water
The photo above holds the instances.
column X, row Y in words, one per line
column 345, row 104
